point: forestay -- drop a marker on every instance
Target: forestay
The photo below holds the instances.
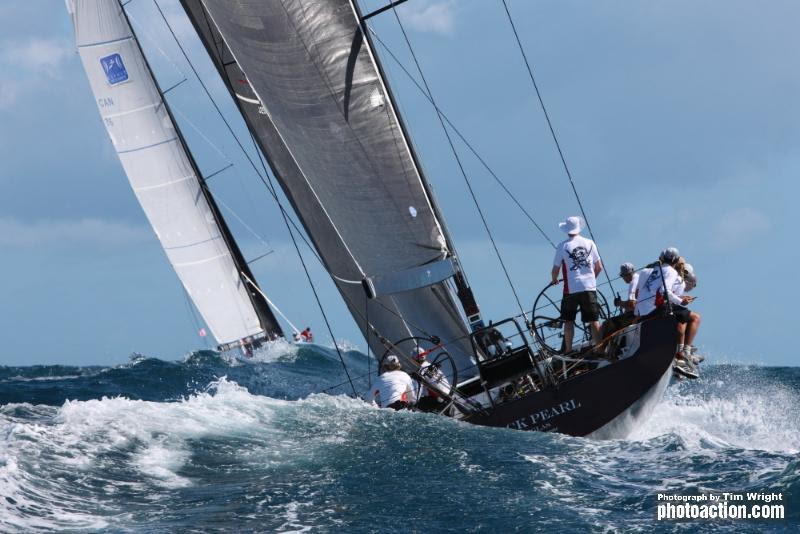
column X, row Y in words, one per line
column 163, row 175
column 315, row 100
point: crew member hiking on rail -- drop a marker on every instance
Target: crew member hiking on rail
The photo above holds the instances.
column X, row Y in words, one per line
column 578, row 261
column 393, row 388
column 657, row 285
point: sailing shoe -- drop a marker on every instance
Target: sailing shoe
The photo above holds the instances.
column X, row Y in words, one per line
column 695, row 357
column 684, row 368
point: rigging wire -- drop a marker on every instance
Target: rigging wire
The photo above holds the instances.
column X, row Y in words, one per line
column 464, row 140
column 267, row 182
column 192, row 313
column 458, row 161
column 271, row 187
column 552, row 129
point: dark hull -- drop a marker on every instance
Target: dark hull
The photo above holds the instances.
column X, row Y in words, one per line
column 605, row 402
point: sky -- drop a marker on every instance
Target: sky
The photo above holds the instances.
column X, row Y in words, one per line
column 679, row 120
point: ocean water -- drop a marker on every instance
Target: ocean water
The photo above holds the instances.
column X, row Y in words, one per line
column 209, row 444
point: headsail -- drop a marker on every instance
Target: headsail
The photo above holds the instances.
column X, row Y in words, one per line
column 164, row 176
column 312, row 93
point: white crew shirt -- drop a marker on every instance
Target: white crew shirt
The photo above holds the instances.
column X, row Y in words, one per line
column 633, row 286
column 576, row 257
column 392, row 386
column 650, row 291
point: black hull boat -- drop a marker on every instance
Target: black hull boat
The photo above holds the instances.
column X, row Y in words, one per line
column 603, row 397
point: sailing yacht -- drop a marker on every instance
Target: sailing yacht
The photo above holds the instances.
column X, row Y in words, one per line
column 166, row 180
column 309, row 84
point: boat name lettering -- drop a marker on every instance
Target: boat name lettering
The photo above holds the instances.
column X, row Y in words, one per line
column 537, row 420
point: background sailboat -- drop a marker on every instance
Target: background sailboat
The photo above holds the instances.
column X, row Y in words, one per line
column 165, row 178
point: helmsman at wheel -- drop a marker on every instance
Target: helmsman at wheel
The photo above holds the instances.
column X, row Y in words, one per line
column 578, row 261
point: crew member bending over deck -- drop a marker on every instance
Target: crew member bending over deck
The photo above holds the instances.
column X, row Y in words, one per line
column 393, row 387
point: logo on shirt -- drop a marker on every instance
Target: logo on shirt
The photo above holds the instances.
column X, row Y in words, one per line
column 114, row 69
column 655, row 275
column 580, row 258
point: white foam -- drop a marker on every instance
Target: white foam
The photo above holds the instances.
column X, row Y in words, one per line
column 731, row 414
column 42, row 457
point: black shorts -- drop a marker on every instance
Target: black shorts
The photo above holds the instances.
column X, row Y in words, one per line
column 586, row 301
column 682, row 313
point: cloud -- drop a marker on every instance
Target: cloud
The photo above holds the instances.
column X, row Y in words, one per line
column 14, row 232
column 432, row 17
column 23, row 64
column 740, row 226
column 37, row 55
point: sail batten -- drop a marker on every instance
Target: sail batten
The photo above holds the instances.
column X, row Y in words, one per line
column 308, row 86
column 164, row 176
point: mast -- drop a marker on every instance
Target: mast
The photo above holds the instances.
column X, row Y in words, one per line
column 165, row 176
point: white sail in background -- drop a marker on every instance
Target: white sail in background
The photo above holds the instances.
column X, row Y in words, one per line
column 164, row 176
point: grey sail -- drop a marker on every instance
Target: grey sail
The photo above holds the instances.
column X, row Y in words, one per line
column 164, row 176
column 312, row 93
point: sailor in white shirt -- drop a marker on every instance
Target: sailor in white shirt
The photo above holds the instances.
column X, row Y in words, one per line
column 578, row 261
column 650, row 293
column 662, row 283
column 688, row 320
column 629, row 274
column 393, row 388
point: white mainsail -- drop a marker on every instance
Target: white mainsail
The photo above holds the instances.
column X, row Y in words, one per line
column 164, row 176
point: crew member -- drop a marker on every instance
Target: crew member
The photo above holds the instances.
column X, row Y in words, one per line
column 657, row 285
column 628, row 273
column 393, row 388
column 578, row 261
column 688, row 320
column 306, row 334
column 433, row 397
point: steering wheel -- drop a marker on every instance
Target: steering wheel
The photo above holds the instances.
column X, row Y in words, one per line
column 546, row 322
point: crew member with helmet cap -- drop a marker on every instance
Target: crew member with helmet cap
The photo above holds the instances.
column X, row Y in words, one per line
column 628, row 273
column 578, row 261
column 651, row 288
column 626, row 318
column 430, row 398
column 657, row 285
column 393, row 388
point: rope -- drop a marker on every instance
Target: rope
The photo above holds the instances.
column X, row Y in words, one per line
column 458, row 161
column 552, row 131
column 463, row 139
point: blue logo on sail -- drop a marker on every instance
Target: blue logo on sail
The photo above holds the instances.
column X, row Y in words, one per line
column 114, row 69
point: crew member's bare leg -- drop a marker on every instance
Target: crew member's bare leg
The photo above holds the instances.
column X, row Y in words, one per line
column 569, row 333
column 596, row 337
column 691, row 328
column 681, row 333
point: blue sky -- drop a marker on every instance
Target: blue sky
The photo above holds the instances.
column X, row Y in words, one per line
column 679, row 120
